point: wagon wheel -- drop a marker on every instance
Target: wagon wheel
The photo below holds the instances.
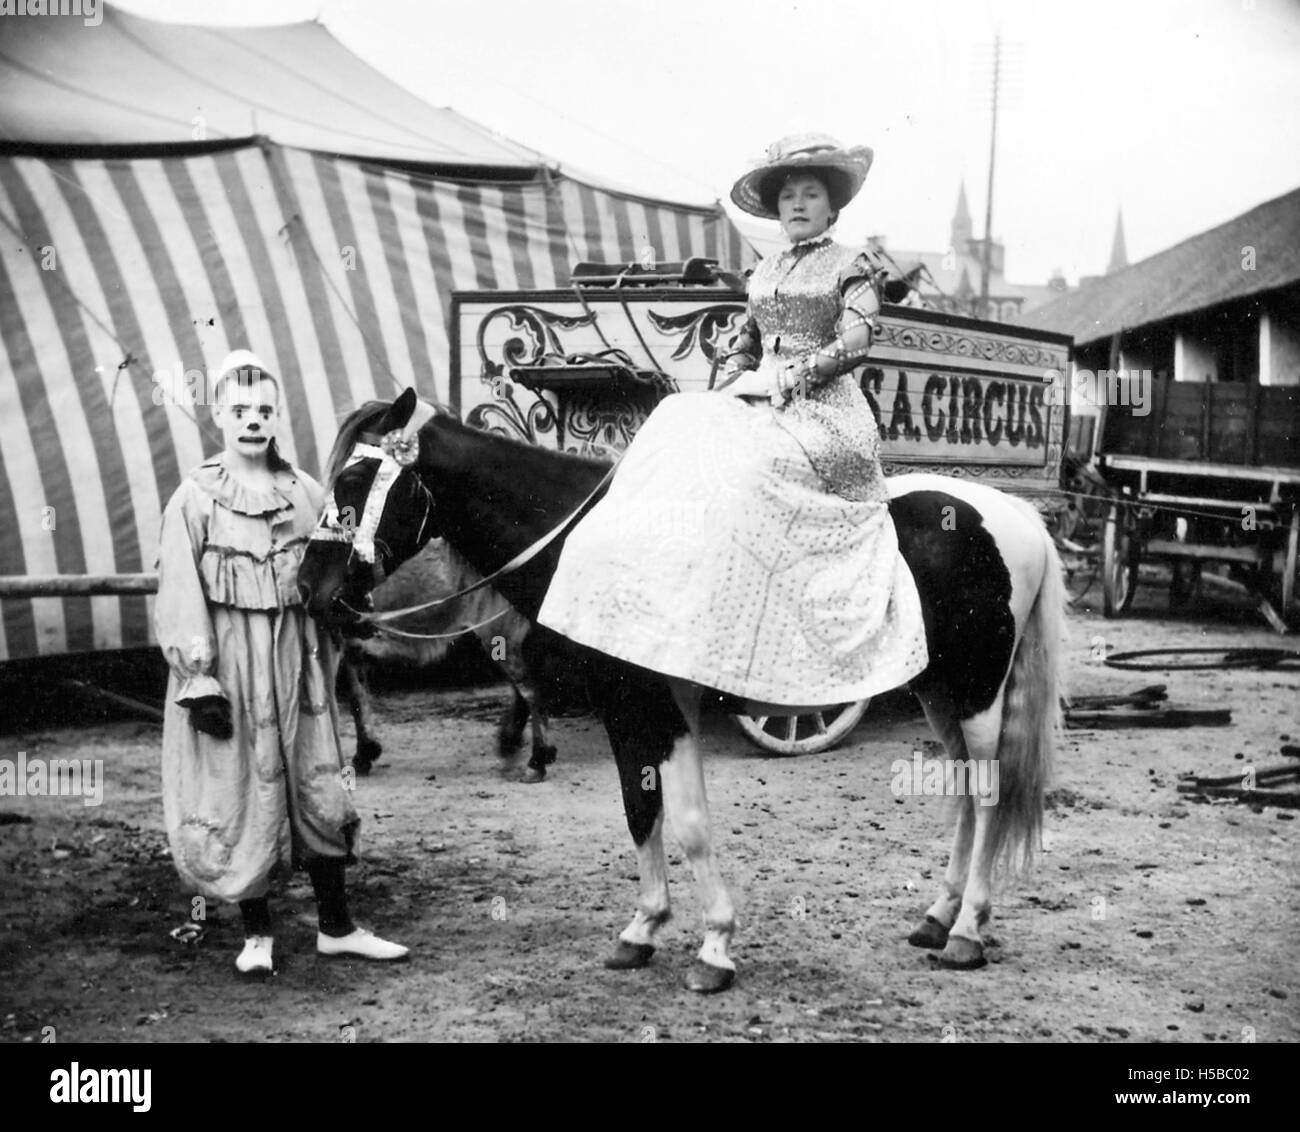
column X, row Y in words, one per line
column 803, row 734
column 1119, row 563
column 1291, row 562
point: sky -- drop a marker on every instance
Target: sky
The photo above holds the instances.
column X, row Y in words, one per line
column 1182, row 113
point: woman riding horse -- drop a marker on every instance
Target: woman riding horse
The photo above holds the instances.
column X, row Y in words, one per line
column 746, row 544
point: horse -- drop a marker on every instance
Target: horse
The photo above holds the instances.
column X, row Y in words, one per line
column 993, row 602
column 500, row 631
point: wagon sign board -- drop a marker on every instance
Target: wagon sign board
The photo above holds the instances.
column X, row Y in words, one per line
column 952, row 395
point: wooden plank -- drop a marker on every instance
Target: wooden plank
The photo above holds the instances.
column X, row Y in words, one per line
column 1227, row 426
column 1169, row 548
column 1271, row 774
column 1164, row 718
column 1231, row 508
column 79, row 585
column 1278, row 427
column 1149, row 696
column 1286, row 799
column 1204, row 418
column 1159, row 395
column 1266, row 472
column 1252, row 418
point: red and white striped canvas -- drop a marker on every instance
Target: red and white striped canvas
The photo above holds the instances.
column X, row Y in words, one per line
column 120, row 278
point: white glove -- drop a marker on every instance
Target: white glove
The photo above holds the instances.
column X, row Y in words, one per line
column 752, row 383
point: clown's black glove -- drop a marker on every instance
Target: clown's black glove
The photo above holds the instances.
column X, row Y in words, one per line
column 211, row 715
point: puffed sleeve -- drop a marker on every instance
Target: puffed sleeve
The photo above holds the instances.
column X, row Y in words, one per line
column 181, row 619
column 861, row 280
column 859, row 283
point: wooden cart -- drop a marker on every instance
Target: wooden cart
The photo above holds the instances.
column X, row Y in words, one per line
column 580, row 369
column 1211, row 473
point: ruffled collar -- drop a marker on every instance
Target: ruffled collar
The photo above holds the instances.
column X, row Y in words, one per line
column 214, row 478
column 811, row 244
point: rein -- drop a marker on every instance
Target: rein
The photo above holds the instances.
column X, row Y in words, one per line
column 389, row 631
column 388, row 450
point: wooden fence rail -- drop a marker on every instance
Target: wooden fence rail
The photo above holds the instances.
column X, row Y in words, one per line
column 76, row 585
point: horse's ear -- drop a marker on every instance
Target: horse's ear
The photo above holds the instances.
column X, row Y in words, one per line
column 400, row 412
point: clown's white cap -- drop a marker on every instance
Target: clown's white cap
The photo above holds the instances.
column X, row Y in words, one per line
column 241, row 359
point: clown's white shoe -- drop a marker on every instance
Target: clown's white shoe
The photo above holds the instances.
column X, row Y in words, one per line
column 362, row 944
column 255, row 959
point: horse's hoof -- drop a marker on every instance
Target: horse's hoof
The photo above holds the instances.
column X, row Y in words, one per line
column 532, row 775
column 961, row 954
column 361, row 766
column 629, row 956
column 705, row 978
column 931, row 934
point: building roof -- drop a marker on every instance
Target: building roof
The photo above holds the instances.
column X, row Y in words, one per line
column 1201, row 272
column 132, row 80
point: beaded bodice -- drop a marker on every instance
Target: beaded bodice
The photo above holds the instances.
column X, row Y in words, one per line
column 794, row 296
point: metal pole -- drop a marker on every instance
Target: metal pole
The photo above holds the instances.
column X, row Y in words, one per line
column 986, row 258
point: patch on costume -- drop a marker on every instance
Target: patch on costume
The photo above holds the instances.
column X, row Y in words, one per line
column 965, row 591
column 201, row 851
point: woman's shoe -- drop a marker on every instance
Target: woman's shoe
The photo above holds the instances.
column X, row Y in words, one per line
column 361, row 943
column 255, row 959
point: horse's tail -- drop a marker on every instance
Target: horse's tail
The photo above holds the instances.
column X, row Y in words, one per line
column 1031, row 716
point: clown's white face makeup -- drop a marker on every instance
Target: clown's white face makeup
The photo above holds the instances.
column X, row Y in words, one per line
column 248, row 416
column 804, row 207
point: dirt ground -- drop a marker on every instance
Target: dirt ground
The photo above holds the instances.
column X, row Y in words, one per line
column 1149, row 917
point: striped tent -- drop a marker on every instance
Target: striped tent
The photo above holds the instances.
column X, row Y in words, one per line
column 125, row 277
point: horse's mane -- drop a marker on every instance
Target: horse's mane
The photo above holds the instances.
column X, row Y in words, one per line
column 365, row 417
column 531, row 454
column 360, row 420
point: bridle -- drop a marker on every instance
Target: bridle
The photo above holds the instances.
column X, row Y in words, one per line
column 361, row 535
column 396, row 451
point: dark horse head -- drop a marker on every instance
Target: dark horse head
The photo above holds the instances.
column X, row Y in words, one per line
column 402, row 473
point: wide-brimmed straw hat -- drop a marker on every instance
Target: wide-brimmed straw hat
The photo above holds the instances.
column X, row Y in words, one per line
column 842, row 169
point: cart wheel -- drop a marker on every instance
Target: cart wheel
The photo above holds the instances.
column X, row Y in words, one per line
column 1291, row 563
column 1119, row 564
column 803, row 734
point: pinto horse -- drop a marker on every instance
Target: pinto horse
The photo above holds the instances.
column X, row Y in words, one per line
column 992, row 598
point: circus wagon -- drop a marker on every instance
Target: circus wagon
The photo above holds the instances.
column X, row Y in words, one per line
column 579, row 368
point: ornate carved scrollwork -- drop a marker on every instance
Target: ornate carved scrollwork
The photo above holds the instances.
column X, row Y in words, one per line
column 600, row 421
column 702, row 327
column 535, row 423
column 961, row 345
column 541, row 337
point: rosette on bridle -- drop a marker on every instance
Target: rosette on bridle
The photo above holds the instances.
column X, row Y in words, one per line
column 396, row 451
column 403, row 449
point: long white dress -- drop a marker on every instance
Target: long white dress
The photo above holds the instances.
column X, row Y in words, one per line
column 749, row 548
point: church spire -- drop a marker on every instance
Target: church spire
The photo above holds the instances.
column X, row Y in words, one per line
column 1118, row 252
column 961, row 224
